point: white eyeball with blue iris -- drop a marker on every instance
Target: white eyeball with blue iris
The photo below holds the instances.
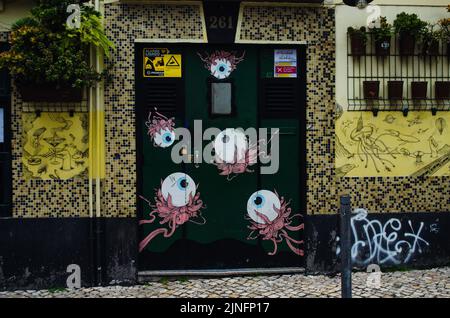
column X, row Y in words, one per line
column 164, row 138
column 264, row 202
column 221, row 68
column 230, row 146
column 179, row 185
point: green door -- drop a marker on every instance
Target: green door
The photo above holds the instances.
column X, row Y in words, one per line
column 220, row 214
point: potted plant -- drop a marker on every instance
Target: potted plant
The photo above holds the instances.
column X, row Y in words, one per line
column 430, row 41
column 419, row 90
column 409, row 28
column 48, row 60
column 358, row 40
column 371, row 89
column 395, row 90
column 445, row 33
column 442, row 89
column 382, row 36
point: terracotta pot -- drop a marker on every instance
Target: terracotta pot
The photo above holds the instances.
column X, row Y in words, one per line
column 50, row 94
column 383, row 46
column 358, row 45
column 395, row 90
column 442, row 89
column 371, row 89
column 406, row 44
column 419, row 90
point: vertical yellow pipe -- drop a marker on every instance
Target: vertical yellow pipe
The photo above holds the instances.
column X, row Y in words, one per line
column 98, row 130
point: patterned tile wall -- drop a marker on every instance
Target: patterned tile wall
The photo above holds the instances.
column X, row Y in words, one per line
column 43, row 198
column 124, row 24
column 315, row 26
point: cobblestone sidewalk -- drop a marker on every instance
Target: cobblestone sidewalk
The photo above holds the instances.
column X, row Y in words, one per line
column 426, row 283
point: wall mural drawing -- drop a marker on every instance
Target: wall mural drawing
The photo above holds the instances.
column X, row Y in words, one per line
column 270, row 218
column 177, row 201
column 233, row 154
column 384, row 243
column 221, row 63
column 160, row 129
column 392, row 145
column 55, row 146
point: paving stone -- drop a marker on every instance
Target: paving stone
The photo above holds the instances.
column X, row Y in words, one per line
column 427, row 283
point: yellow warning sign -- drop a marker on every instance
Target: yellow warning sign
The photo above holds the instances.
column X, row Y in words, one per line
column 172, row 65
column 158, row 63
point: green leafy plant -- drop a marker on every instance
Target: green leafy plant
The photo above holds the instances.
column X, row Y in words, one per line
column 383, row 31
column 44, row 51
column 410, row 24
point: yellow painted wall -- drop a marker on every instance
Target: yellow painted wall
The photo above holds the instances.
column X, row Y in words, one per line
column 55, row 146
column 392, row 145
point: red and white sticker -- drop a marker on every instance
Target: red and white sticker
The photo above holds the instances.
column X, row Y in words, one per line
column 285, row 63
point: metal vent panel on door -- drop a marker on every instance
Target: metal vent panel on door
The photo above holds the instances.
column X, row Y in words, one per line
column 164, row 94
column 280, row 97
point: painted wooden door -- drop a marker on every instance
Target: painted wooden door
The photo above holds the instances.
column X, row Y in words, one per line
column 224, row 215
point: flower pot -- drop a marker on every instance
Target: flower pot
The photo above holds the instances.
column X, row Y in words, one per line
column 358, row 45
column 383, row 46
column 419, row 90
column 371, row 89
column 442, row 89
column 395, row 90
column 49, row 93
column 406, row 44
column 431, row 48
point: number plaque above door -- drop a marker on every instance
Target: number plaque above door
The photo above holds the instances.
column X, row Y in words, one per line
column 221, row 20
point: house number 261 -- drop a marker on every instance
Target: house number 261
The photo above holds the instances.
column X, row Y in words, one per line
column 221, row 22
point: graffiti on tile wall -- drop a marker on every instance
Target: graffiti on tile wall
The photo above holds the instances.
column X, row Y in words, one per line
column 392, row 145
column 387, row 242
column 55, row 145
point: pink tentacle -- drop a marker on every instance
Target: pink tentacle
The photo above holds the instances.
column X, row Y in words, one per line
column 295, row 228
column 150, row 237
column 294, row 249
column 262, row 216
column 275, row 247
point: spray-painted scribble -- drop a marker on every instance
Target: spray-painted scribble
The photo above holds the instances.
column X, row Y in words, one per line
column 375, row 242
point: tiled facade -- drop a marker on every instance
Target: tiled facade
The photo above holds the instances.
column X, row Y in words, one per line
column 124, row 24
column 314, row 26
column 127, row 22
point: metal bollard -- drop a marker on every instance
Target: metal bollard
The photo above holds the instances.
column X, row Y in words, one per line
column 346, row 243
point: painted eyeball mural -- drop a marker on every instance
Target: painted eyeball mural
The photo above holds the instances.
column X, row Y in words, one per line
column 177, row 201
column 160, row 129
column 221, row 68
column 233, row 154
column 180, row 187
column 265, row 203
column 221, row 63
column 230, row 146
column 164, row 138
column 270, row 219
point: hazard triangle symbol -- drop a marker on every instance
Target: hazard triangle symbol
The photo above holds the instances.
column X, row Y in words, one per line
column 172, row 62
